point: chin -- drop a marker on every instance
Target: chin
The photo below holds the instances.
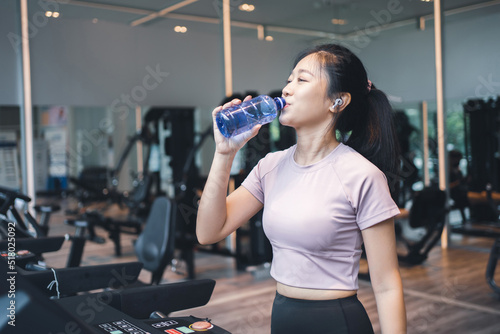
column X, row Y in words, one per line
column 283, row 119
column 285, row 122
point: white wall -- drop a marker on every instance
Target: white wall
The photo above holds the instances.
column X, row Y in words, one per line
column 76, row 62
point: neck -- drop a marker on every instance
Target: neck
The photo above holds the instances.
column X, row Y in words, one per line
column 312, row 148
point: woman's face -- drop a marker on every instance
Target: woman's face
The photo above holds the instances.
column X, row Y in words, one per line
column 306, row 96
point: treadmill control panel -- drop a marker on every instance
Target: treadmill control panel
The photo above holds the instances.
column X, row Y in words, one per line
column 177, row 325
column 120, row 327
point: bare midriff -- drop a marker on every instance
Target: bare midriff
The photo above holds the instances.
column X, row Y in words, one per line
column 312, row 294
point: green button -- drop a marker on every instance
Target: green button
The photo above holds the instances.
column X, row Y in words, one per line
column 184, row 329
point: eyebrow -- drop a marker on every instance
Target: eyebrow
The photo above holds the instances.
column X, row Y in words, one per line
column 304, row 71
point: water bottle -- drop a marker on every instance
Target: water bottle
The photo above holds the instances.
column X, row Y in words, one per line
column 243, row 117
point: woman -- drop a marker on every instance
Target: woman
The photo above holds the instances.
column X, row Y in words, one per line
column 322, row 198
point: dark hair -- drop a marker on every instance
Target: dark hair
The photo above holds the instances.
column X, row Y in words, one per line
column 366, row 124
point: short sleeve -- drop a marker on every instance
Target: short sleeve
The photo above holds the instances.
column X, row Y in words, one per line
column 253, row 183
column 374, row 203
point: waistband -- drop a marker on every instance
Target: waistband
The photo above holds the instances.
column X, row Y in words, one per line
column 326, row 302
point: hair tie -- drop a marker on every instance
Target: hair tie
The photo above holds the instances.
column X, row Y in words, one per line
column 369, row 87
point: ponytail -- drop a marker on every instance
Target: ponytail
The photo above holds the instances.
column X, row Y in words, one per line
column 373, row 135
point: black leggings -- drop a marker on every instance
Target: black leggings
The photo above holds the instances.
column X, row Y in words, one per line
column 335, row 316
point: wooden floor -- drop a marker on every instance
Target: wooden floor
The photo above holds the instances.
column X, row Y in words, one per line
column 447, row 294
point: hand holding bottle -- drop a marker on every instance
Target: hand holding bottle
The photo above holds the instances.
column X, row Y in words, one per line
column 224, row 145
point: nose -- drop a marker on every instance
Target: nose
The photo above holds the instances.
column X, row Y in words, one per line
column 286, row 90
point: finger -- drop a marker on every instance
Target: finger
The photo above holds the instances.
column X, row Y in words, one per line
column 227, row 105
column 255, row 130
column 231, row 103
column 248, row 97
column 246, row 136
column 216, row 110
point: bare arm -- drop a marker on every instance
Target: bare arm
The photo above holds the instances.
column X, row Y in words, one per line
column 219, row 216
column 380, row 245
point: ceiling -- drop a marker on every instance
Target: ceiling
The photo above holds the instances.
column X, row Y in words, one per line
column 308, row 18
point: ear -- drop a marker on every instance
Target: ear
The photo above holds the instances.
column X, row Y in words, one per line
column 341, row 102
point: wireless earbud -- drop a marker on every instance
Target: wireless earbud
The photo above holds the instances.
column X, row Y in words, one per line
column 338, row 102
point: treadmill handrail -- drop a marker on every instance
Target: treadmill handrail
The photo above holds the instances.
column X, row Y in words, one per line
column 165, row 298
column 81, row 279
column 37, row 246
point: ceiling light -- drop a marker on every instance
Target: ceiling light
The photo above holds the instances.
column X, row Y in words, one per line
column 246, row 7
column 180, row 29
column 426, row 0
column 269, row 38
column 95, row 20
column 339, row 21
column 52, row 14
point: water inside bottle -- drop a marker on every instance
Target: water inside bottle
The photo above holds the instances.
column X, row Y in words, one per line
column 244, row 117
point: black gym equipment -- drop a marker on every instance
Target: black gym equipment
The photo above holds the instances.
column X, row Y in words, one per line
column 25, row 226
column 156, row 242
column 25, row 230
column 482, row 128
column 137, row 311
column 22, row 258
column 70, row 281
column 180, row 147
column 28, row 307
column 99, row 184
column 45, row 211
column 155, row 245
column 482, row 124
column 426, row 222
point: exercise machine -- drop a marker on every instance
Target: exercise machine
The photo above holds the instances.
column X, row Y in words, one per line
column 24, row 228
column 137, row 310
column 426, row 221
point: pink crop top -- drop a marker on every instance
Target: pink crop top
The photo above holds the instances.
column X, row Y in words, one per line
column 313, row 215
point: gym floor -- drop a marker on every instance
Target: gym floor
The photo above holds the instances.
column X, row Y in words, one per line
column 448, row 293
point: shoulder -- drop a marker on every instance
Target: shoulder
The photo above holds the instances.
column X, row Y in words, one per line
column 356, row 174
column 365, row 187
column 273, row 160
column 348, row 163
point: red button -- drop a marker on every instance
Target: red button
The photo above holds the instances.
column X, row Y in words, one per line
column 201, row 325
column 172, row 331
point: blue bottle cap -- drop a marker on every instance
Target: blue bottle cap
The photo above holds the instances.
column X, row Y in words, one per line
column 280, row 102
